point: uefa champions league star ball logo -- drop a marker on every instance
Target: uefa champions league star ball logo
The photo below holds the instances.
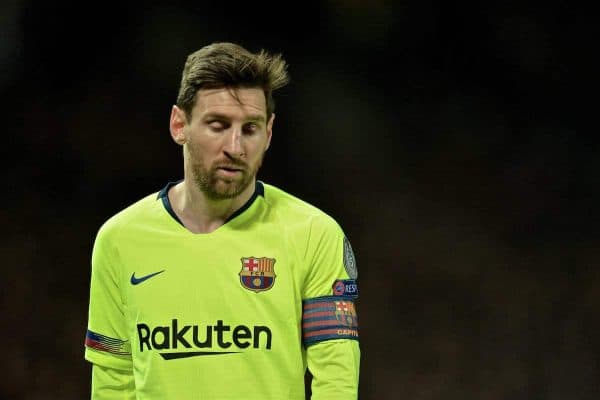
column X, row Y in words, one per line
column 258, row 273
column 349, row 260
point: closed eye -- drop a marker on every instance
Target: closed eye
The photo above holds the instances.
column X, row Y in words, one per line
column 217, row 126
column 250, row 128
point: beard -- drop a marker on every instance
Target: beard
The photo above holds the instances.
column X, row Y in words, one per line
column 216, row 187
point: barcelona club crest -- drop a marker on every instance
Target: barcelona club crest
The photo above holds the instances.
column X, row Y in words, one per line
column 258, row 273
column 346, row 313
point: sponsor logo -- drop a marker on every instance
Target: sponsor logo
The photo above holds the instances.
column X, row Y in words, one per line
column 220, row 335
column 137, row 281
column 345, row 287
column 257, row 273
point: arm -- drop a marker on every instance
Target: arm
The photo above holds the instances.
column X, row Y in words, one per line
column 334, row 365
column 329, row 318
column 112, row 384
column 330, row 334
column 107, row 344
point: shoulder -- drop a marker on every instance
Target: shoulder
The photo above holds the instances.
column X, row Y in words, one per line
column 294, row 211
column 128, row 217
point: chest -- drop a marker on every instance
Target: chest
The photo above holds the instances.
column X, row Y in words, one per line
column 240, row 279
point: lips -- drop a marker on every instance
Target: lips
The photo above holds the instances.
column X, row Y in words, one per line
column 229, row 171
column 228, row 168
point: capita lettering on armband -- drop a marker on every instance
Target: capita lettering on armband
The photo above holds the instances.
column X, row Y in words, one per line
column 107, row 344
column 328, row 317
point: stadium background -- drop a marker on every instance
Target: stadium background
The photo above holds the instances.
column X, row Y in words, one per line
column 453, row 142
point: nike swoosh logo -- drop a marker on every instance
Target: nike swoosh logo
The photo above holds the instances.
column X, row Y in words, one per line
column 137, row 281
column 174, row 356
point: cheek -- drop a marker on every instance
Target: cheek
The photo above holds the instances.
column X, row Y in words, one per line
column 257, row 152
column 199, row 147
column 194, row 150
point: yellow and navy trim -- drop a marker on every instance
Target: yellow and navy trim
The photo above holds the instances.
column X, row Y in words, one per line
column 259, row 190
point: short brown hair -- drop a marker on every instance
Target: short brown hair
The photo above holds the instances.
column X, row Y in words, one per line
column 230, row 65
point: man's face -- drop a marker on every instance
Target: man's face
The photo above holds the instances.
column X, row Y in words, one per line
column 225, row 140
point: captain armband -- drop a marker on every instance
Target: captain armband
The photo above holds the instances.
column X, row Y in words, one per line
column 328, row 317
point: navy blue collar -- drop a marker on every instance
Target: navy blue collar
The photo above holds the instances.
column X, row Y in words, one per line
column 259, row 190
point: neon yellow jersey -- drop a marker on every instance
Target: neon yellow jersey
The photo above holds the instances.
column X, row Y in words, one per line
column 238, row 313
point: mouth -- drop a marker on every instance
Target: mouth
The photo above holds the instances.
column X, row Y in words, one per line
column 229, row 170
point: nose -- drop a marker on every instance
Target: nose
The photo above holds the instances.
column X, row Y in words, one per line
column 233, row 145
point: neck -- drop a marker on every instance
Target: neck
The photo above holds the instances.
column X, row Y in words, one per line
column 200, row 214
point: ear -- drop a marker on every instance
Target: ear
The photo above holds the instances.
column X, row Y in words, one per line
column 177, row 124
column 270, row 131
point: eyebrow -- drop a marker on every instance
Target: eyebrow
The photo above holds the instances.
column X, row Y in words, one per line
column 250, row 118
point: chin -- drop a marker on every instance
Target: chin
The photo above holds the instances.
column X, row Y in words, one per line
column 230, row 190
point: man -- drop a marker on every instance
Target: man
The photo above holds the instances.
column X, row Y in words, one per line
column 220, row 286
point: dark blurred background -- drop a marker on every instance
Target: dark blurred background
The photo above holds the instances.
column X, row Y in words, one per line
column 455, row 143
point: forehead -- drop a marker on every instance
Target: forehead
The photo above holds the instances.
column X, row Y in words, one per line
column 231, row 101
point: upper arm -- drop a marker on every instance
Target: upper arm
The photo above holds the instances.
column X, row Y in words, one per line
column 107, row 340
column 330, row 289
